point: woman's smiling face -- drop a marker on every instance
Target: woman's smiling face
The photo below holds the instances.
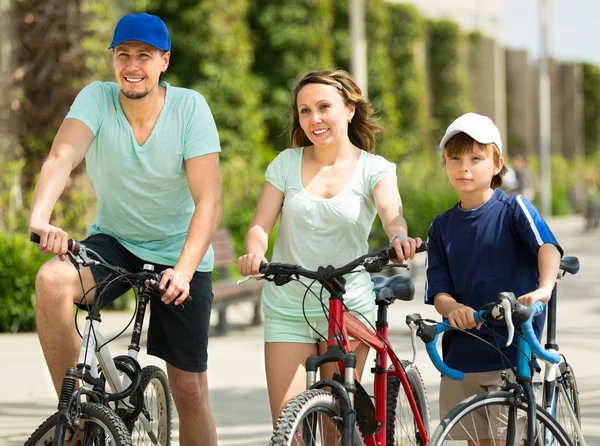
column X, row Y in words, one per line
column 323, row 115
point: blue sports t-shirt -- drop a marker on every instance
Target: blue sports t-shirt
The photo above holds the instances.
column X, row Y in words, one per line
column 144, row 200
column 474, row 255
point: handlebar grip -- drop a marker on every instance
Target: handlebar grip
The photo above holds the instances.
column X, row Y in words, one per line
column 437, row 361
column 72, row 245
column 532, row 340
column 391, row 252
column 262, row 266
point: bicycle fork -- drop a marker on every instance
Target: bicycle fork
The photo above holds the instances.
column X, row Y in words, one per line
column 345, row 392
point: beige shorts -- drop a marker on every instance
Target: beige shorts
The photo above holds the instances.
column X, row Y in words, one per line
column 483, row 424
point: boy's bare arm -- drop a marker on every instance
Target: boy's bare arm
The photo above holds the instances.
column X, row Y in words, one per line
column 548, row 265
column 459, row 315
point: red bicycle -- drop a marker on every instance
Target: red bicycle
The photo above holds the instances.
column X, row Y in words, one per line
column 340, row 410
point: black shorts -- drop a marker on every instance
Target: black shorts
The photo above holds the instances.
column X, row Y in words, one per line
column 177, row 335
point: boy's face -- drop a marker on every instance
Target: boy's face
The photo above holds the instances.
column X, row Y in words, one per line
column 472, row 172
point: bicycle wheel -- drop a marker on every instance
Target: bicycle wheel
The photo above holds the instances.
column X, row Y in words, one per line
column 99, row 426
column 565, row 402
column 470, row 421
column 401, row 426
column 157, row 409
column 311, row 418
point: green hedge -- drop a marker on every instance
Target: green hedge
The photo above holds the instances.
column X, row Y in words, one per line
column 19, row 263
column 447, row 68
column 591, row 109
column 406, row 51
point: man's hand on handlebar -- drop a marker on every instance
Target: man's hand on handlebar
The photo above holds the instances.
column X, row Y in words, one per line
column 53, row 240
column 176, row 284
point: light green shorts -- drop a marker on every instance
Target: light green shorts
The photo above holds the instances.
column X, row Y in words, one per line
column 298, row 331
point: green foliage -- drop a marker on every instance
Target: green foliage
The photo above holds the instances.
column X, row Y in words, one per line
column 19, row 262
column 447, row 69
column 104, row 15
column 342, row 43
column 291, row 38
column 220, row 68
column 404, row 40
column 12, row 212
column 425, row 191
column 381, row 80
column 568, row 176
column 591, row 109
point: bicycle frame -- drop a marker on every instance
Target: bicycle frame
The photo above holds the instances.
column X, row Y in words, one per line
column 91, row 355
column 343, row 326
column 553, row 372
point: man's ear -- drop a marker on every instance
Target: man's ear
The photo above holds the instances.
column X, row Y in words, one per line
column 166, row 57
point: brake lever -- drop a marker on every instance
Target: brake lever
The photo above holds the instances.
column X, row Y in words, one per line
column 251, row 276
column 397, row 265
column 82, row 258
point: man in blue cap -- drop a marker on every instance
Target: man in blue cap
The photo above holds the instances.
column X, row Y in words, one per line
column 152, row 152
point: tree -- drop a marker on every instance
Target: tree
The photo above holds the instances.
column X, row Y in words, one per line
column 49, row 72
column 291, row 38
column 212, row 54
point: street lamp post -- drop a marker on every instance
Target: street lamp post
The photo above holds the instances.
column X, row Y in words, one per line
column 359, row 43
column 544, row 113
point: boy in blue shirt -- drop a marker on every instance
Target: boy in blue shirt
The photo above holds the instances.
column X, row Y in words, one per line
column 487, row 243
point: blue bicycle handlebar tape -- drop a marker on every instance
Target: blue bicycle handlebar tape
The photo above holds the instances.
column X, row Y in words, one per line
column 435, row 356
column 532, row 339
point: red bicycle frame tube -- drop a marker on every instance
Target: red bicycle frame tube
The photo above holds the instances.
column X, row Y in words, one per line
column 342, row 327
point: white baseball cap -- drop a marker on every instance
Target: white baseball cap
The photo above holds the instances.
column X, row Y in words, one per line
column 480, row 128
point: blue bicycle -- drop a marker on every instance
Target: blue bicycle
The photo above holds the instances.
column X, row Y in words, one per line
column 524, row 422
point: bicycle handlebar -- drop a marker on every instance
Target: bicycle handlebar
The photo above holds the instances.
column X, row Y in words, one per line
column 77, row 249
column 373, row 262
column 507, row 305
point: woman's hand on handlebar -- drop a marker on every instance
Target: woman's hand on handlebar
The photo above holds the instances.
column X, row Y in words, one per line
column 53, row 240
column 249, row 264
column 405, row 247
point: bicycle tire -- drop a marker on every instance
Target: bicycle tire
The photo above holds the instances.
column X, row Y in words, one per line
column 463, row 413
column 303, row 409
column 158, row 408
column 401, row 428
column 114, row 431
column 561, row 407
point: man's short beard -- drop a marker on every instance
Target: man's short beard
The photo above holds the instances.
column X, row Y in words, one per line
column 135, row 95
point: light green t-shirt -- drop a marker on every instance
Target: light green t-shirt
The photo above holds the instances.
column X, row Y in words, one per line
column 319, row 232
column 144, row 200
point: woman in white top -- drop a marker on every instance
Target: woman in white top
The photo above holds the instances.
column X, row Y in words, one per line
column 326, row 192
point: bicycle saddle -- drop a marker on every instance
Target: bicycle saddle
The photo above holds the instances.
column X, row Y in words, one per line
column 388, row 289
column 570, row 264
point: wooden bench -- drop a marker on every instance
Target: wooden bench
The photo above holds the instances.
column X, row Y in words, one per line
column 226, row 291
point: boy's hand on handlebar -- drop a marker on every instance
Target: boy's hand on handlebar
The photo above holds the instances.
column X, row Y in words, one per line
column 53, row 240
column 405, row 247
column 249, row 264
column 176, row 284
column 542, row 293
column 462, row 317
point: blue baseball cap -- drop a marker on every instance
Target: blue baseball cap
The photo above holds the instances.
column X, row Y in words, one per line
column 144, row 27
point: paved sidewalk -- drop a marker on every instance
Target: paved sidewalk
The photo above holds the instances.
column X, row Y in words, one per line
column 236, row 375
